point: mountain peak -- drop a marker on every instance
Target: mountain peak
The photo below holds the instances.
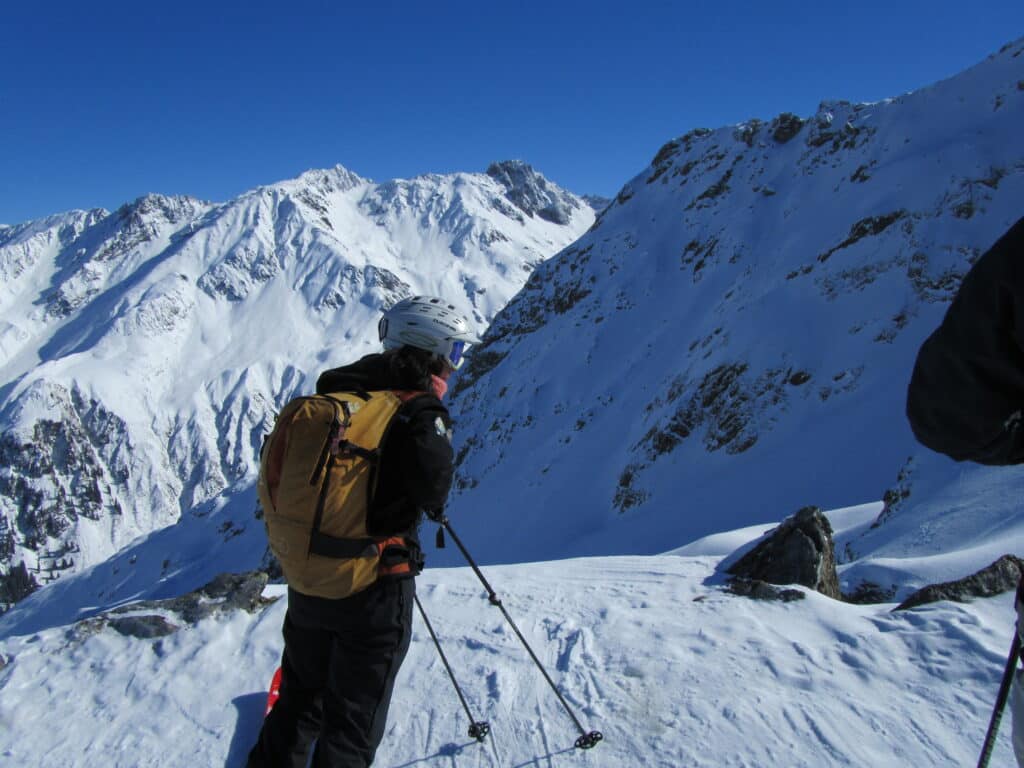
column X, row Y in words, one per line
column 533, row 194
column 510, row 167
column 336, row 179
column 173, row 208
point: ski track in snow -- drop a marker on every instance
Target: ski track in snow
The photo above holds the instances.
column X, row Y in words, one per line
column 673, row 671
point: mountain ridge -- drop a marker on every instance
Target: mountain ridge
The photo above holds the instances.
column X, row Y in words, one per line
column 743, row 316
column 139, row 364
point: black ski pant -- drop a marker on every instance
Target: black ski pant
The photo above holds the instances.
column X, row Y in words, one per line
column 338, row 671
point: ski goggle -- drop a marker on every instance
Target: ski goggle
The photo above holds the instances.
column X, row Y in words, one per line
column 457, row 354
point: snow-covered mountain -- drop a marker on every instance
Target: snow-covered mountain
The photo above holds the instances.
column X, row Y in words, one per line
column 732, row 340
column 143, row 353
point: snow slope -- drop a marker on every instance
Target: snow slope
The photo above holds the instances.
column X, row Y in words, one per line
column 732, row 340
column 648, row 650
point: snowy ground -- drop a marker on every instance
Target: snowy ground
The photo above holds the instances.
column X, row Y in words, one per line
column 648, row 650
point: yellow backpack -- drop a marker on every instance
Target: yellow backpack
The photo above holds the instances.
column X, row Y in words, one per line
column 318, row 475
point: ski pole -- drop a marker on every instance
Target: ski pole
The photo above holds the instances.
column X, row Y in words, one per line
column 586, row 739
column 1004, row 686
column 1004, row 693
column 478, row 729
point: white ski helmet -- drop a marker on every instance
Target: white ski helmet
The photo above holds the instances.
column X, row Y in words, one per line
column 429, row 323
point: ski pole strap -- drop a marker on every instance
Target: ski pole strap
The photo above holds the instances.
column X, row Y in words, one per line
column 587, row 739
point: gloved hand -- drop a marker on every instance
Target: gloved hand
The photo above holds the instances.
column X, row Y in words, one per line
column 437, row 515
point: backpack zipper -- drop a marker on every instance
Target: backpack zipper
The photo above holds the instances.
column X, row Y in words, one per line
column 332, row 438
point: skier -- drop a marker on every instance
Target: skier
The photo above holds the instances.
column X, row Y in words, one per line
column 966, row 394
column 341, row 656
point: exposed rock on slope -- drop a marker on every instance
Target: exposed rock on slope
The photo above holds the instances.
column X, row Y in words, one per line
column 1001, row 576
column 147, row 619
column 532, row 193
column 799, row 551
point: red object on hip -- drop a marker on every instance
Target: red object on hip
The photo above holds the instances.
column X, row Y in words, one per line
column 275, row 691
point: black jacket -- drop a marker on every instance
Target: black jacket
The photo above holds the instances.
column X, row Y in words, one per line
column 416, row 456
column 966, row 393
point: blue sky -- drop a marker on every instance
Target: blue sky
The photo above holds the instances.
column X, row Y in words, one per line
column 101, row 102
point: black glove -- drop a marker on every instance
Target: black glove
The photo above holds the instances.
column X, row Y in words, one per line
column 437, row 515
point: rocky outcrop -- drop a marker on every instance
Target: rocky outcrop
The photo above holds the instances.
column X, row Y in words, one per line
column 228, row 592
column 1002, row 576
column 532, row 193
column 870, row 593
column 799, row 551
column 760, row 590
column 726, row 409
column 114, row 243
column 66, row 468
column 785, row 127
column 143, row 627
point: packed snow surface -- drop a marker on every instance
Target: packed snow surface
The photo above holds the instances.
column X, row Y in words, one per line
column 648, row 650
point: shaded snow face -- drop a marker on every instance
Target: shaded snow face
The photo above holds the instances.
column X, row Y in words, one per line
column 732, row 339
column 145, row 351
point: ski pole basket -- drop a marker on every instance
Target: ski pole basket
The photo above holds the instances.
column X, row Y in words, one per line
column 589, row 740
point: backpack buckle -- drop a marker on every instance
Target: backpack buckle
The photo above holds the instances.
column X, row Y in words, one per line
column 399, row 557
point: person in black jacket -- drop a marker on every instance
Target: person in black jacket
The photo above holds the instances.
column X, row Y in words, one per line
column 342, row 656
column 967, row 389
column 966, row 393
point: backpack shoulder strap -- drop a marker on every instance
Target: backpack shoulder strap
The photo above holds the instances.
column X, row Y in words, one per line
column 335, row 396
